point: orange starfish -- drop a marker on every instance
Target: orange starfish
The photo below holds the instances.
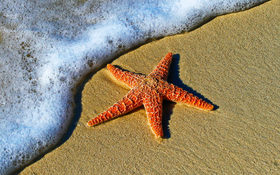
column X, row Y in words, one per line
column 149, row 91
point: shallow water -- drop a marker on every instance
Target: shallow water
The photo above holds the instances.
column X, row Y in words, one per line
column 47, row 47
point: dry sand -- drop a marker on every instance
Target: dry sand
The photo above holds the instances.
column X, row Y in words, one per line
column 234, row 62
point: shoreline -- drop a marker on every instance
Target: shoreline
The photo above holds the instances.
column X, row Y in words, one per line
column 221, row 60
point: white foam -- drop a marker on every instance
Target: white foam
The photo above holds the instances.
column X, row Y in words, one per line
column 45, row 52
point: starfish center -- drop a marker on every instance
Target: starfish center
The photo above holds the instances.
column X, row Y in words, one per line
column 150, row 81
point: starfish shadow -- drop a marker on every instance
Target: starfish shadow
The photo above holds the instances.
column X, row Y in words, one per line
column 173, row 77
column 167, row 111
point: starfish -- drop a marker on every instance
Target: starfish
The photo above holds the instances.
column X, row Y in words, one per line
column 149, row 90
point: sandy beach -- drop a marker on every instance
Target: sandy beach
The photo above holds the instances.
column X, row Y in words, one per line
column 233, row 61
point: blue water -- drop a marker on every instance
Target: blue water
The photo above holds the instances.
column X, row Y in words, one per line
column 48, row 46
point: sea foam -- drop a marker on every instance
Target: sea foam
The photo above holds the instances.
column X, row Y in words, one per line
column 48, row 46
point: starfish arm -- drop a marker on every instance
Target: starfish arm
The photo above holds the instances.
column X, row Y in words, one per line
column 176, row 94
column 131, row 101
column 129, row 78
column 162, row 68
column 153, row 106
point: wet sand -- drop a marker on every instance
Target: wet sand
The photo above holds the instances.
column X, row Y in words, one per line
column 233, row 61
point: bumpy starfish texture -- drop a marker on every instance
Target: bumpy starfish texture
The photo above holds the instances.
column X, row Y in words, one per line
column 149, row 91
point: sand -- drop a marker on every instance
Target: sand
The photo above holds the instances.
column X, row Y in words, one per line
column 233, row 61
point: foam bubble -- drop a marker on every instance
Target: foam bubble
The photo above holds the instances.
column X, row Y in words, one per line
column 47, row 50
